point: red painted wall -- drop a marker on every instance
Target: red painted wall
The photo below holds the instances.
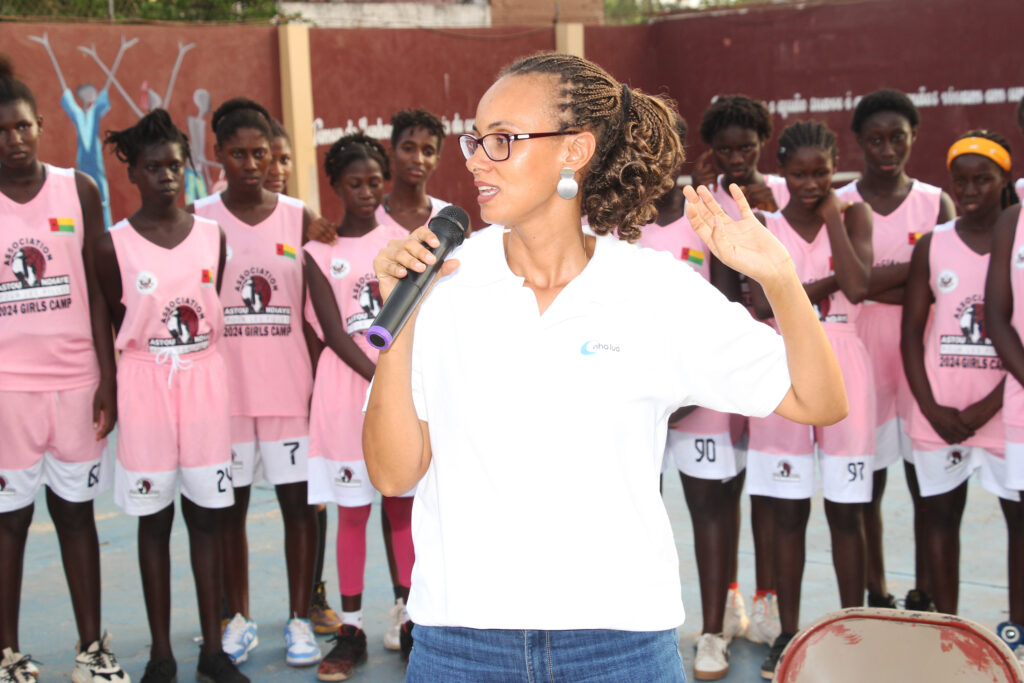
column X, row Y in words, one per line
column 833, row 50
column 226, row 61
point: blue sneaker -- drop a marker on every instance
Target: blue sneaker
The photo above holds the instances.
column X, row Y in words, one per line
column 239, row 638
column 300, row 643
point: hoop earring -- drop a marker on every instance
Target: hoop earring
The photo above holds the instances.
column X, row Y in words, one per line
column 567, row 185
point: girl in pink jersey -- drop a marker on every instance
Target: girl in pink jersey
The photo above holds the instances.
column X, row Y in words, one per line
column 903, row 209
column 1004, row 308
column 269, row 369
column 952, row 368
column 323, row 618
column 416, row 139
column 344, row 300
column 57, row 391
column 159, row 271
column 830, row 244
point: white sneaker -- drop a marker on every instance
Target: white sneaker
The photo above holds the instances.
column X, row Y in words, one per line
column 764, row 626
column 712, row 660
column 17, row 668
column 735, row 622
column 97, row 664
column 300, row 643
column 239, row 638
column 392, row 637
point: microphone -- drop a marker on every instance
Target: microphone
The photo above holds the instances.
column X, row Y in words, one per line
column 450, row 225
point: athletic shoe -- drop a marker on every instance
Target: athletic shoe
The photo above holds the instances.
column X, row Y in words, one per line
column 17, row 668
column 300, row 643
column 218, row 668
column 239, row 638
column 775, row 655
column 764, row 624
column 735, row 622
column 1012, row 634
column 919, row 601
column 161, row 671
column 324, row 619
column 887, row 601
column 348, row 651
column 712, row 660
column 392, row 637
column 406, row 638
column 97, row 664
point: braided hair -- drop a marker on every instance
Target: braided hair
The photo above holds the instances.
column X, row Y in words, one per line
column 11, row 89
column 1008, row 196
column 240, row 112
column 884, row 100
column 638, row 149
column 807, row 134
column 351, row 148
column 154, row 128
column 278, row 131
column 735, row 110
column 415, row 118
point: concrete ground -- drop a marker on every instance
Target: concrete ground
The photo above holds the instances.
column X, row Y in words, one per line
column 48, row 632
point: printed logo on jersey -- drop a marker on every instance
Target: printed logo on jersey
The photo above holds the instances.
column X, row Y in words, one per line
column 366, row 292
column 692, row 256
column 913, row 237
column 5, row 488
column 206, row 278
column 181, row 317
column 146, row 282
column 347, row 477
column 285, row 250
column 339, row 268
column 1018, row 258
column 29, row 289
column 228, row 252
column 591, row 347
column 947, row 281
column 823, row 308
column 143, row 489
column 972, row 348
column 65, row 225
column 954, row 459
column 785, row 472
column 256, row 317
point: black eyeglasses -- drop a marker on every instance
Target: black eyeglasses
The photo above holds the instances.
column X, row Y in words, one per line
column 498, row 146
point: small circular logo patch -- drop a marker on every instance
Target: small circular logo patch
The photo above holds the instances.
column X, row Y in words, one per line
column 145, row 282
column 339, row 268
column 947, row 281
column 1018, row 258
column 228, row 252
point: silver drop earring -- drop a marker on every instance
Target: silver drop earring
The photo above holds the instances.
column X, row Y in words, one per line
column 567, row 185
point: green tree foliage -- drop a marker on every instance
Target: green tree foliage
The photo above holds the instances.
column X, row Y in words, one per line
column 164, row 10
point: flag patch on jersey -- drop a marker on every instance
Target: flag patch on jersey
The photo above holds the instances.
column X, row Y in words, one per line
column 62, row 225
column 207, row 277
column 913, row 237
column 286, row 250
column 693, row 256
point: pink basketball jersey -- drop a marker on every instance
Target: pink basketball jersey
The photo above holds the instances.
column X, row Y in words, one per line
column 384, row 218
column 777, row 184
column 264, row 347
column 1013, row 412
column 45, row 331
column 813, row 261
column 679, row 239
column 959, row 358
column 348, row 267
column 169, row 295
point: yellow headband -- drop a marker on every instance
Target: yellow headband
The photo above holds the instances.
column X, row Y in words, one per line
column 982, row 146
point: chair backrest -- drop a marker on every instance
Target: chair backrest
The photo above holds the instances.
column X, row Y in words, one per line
column 885, row 645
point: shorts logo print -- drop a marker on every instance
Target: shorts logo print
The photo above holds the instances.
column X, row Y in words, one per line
column 784, row 472
column 953, row 460
column 144, row 489
column 346, row 477
column 5, row 488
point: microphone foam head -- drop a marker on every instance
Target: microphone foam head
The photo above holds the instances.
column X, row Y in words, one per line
column 455, row 215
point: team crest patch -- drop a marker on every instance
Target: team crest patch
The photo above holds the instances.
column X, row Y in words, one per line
column 1018, row 258
column 954, row 459
column 340, row 268
column 947, row 281
column 144, row 489
column 347, row 477
column 145, row 282
column 785, row 472
column 5, row 487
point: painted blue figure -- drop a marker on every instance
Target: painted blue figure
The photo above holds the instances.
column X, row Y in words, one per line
column 86, row 119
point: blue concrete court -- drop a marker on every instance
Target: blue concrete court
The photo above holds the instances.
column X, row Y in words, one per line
column 48, row 633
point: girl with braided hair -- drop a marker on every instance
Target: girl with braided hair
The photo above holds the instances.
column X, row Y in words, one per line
column 344, row 298
column 534, row 406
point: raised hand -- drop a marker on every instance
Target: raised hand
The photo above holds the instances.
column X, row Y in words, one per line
column 394, row 261
column 745, row 245
column 705, row 173
column 831, row 204
column 322, row 230
column 761, row 197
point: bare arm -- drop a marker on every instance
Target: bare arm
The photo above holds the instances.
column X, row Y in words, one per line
column 335, row 336
column 849, row 234
column 999, row 296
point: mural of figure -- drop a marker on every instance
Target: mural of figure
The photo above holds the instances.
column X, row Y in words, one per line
column 197, row 178
column 86, row 119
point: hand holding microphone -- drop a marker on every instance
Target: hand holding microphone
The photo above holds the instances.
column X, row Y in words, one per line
column 405, row 269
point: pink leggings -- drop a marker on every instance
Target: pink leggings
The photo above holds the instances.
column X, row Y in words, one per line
column 352, row 543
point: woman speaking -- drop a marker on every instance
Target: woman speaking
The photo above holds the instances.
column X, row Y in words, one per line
column 532, row 390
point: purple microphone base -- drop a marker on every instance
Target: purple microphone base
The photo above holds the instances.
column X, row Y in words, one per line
column 379, row 338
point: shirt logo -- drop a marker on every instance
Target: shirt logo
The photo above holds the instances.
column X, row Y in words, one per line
column 591, row 347
column 62, row 225
column 145, row 282
column 1018, row 259
column 206, row 278
column 339, row 268
column 228, row 252
column 947, row 281
column 285, row 250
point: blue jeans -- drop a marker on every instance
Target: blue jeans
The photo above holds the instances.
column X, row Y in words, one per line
column 466, row 655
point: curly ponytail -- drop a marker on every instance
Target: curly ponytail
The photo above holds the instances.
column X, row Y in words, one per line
column 638, row 150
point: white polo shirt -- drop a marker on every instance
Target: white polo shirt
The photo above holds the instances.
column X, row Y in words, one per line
column 541, row 503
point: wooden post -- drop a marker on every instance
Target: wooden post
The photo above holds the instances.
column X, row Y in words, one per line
column 569, row 38
column 297, row 104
